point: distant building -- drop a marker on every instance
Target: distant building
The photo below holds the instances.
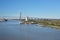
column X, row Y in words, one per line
column 26, row 19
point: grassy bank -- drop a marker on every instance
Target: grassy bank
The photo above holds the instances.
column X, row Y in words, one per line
column 50, row 23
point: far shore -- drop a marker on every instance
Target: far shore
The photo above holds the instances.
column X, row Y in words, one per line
column 50, row 26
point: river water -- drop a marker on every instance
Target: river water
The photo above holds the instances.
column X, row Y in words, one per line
column 12, row 30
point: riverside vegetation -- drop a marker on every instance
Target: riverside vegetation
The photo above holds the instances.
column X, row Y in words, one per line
column 53, row 23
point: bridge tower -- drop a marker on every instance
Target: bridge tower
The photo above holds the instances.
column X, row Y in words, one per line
column 20, row 16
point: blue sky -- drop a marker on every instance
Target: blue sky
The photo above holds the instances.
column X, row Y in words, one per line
column 33, row 8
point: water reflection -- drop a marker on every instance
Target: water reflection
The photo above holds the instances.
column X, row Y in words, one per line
column 12, row 30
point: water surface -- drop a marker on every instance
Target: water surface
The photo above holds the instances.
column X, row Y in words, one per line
column 12, row 30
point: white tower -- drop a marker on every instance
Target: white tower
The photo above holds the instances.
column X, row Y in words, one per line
column 26, row 19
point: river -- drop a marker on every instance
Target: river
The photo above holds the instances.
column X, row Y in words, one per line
column 12, row 30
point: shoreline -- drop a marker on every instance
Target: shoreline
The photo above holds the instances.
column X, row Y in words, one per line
column 50, row 26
